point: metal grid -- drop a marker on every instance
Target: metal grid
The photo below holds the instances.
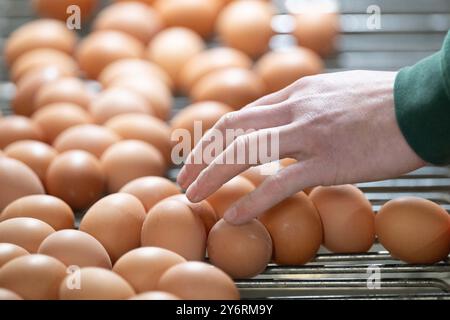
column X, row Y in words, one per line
column 410, row 30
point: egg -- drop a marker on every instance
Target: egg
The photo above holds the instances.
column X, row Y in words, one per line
column 282, row 67
column 49, row 209
column 9, row 251
column 143, row 267
column 27, row 233
column 128, row 160
column 151, row 190
column 8, row 295
column 148, row 2
column 258, row 174
column 115, row 101
column 16, row 128
column 91, row 138
column 414, row 230
column 235, row 87
column 40, row 59
column 144, row 128
column 196, row 280
column 211, row 60
column 33, row 277
column 95, row 284
column 77, row 178
column 172, row 225
column 347, row 218
column 70, row 90
column 246, row 26
column 229, row 193
column 58, row 9
column 154, row 295
column 54, row 118
column 201, row 209
column 16, row 181
column 133, row 18
column 101, row 48
column 75, row 248
column 116, row 214
column 172, row 48
column 197, row 15
column 42, row 33
column 295, row 228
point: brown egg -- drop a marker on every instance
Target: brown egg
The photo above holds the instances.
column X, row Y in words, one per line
column 151, row 190
column 143, row 267
column 101, row 48
column 36, row 155
column 128, row 160
column 280, row 68
column 229, row 193
column 33, row 277
column 258, row 174
column 54, row 118
column 57, row 9
column 77, row 178
column 197, row 15
column 198, row 281
column 129, row 68
column 51, row 210
column 172, row 225
column 9, row 251
column 43, row 33
column 117, row 214
column 414, row 230
column 202, row 209
column 95, row 284
column 27, row 233
column 295, row 228
column 347, row 218
column 71, row 90
column 246, row 25
column 211, row 60
column 149, row 2
column 242, row 251
column 16, row 128
column 287, row 162
column 8, row 295
column 154, row 295
column 133, row 18
column 16, row 181
column 235, row 87
column 75, row 248
column 158, row 96
column 172, row 48
column 41, row 58
column 115, row 101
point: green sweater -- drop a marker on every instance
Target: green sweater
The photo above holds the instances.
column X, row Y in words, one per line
column 422, row 103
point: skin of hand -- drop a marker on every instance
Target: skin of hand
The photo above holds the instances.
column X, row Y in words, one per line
column 341, row 127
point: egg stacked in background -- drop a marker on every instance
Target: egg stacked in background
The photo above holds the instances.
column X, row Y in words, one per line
column 91, row 133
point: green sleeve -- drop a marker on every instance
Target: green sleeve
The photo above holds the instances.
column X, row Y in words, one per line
column 422, row 105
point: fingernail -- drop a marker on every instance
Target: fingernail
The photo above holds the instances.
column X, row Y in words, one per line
column 191, row 193
column 230, row 215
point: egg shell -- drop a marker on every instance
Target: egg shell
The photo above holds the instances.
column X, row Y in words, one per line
column 347, row 218
column 128, row 160
column 33, row 277
column 229, row 193
column 91, row 138
column 8, row 295
column 148, row 2
column 143, row 267
column 154, row 295
column 116, row 222
column 295, row 228
column 172, row 225
column 57, row 9
column 101, row 48
column 48, row 209
column 77, row 178
column 151, row 190
column 16, row 128
column 96, row 284
column 16, row 181
column 258, row 174
column 133, row 18
column 198, row 281
column 414, row 230
column 235, row 87
column 9, row 251
column 75, row 248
